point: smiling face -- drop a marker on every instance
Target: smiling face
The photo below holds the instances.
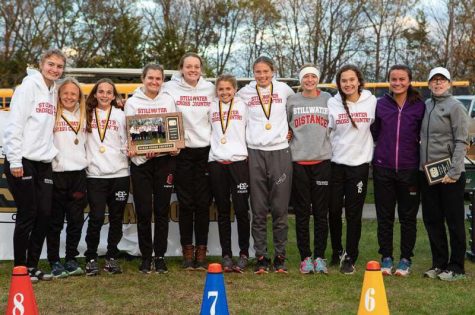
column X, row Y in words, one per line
column 439, row 84
column 399, row 81
column 309, row 82
column 69, row 96
column 52, row 68
column 152, row 82
column 225, row 91
column 263, row 74
column 191, row 70
column 104, row 95
column 349, row 83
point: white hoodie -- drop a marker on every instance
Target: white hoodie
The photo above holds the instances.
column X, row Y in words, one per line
column 71, row 156
column 141, row 104
column 194, row 103
column 234, row 149
column 113, row 162
column 352, row 146
column 257, row 136
column 29, row 131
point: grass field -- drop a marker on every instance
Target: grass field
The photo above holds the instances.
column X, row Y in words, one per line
column 180, row 292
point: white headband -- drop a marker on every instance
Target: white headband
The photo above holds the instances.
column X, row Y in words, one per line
column 308, row 70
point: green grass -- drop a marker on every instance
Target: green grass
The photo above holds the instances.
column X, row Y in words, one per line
column 180, row 292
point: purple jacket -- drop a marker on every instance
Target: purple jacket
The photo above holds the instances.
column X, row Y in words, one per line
column 397, row 133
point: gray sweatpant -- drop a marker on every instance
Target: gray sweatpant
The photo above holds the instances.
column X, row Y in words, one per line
column 270, row 183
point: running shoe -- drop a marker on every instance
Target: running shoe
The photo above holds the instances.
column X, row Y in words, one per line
column 346, row 265
column 146, row 265
column 241, row 263
column 227, row 264
column 73, row 268
column 279, row 264
column 432, row 273
column 58, row 271
column 403, row 268
column 449, row 275
column 387, row 266
column 112, row 266
column 160, row 265
column 262, row 265
column 320, row 265
column 37, row 275
column 306, row 265
column 92, row 268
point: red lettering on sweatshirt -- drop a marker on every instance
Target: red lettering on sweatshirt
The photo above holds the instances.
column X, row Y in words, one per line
column 254, row 101
column 358, row 117
column 112, row 125
column 310, row 119
column 188, row 100
column 234, row 116
column 143, row 111
column 46, row 108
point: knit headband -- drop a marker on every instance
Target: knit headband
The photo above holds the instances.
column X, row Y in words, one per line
column 308, row 70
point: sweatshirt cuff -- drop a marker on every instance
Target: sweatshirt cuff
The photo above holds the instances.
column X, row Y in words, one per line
column 15, row 164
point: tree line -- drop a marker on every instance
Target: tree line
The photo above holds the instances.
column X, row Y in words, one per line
column 230, row 34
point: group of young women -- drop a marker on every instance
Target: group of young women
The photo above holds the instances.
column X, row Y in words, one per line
column 263, row 141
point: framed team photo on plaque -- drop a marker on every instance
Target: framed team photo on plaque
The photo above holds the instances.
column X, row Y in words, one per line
column 436, row 170
column 159, row 133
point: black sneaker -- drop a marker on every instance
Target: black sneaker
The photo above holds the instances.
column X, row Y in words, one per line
column 279, row 264
column 57, row 270
column 146, row 265
column 37, row 275
column 160, row 265
column 241, row 263
column 92, row 268
column 262, row 265
column 346, row 266
column 227, row 264
column 112, row 266
column 73, row 268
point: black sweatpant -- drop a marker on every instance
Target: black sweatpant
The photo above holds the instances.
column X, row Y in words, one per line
column 231, row 179
column 311, row 195
column 348, row 189
column 152, row 184
column 102, row 192
column 401, row 187
column 69, row 200
column 32, row 194
column 444, row 204
column 193, row 192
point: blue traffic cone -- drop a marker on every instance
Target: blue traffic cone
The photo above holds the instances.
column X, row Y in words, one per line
column 214, row 296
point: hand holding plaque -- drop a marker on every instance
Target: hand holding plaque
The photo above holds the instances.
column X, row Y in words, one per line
column 158, row 133
column 435, row 171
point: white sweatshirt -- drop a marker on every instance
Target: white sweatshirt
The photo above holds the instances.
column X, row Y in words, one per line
column 71, row 156
column 141, row 104
column 194, row 103
column 234, row 149
column 113, row 162
column 352, row 146
column 257, row 136
column 29, row 131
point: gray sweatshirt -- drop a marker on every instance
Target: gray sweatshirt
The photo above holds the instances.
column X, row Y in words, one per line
column 444, row 128
column 308, row 120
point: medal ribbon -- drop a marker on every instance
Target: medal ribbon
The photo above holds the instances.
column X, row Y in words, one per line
column 102, row 132
column 224, row 126
column 268, row 110
column 71, row 125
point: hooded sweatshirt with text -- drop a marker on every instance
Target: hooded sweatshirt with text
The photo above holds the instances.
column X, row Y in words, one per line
column 194, row 103
column 29, row 131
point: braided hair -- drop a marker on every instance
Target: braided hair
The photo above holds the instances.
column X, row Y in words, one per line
column 360, row 77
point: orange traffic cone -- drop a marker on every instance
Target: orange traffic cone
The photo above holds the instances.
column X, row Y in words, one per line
column 21, row 299
column 373, row 295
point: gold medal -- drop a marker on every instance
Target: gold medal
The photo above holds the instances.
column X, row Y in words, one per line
column 76, row 141
column 102, row 131
column 223, row 140
column 266, row 107
column 75, row 130
column 225, row 125
column 102, row 149
column 268, row 126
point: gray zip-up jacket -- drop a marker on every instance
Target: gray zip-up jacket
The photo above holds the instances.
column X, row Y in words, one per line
column 444, row 133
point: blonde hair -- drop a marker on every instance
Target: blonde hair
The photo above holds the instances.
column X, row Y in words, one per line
column 82, row 101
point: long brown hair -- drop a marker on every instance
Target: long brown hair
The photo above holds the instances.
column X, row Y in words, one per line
column 91, row 102
column 82, row 101
column 360, row 77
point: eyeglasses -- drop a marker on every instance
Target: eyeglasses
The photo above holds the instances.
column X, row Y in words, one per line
column 439, row 80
